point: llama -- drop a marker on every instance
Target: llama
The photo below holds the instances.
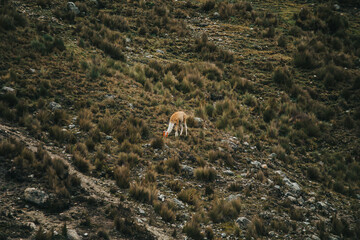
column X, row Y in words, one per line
column 178, row 118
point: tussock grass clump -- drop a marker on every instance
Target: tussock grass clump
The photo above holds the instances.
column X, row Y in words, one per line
column 157, row 143
column 175, row 185
column 173, row 165
column 131, row 159
column 283, row 76
column 132, row 130
column 192, row 230
column 235, row 187
column 84, row 119
column 223, row 211
column 208, row 5
column 146, row 194
column 241, row 84
column 205, row 174
column 313, row 173
column 114, row 22
column 189, row 196
column 81, row 163
column 62, row 135
column 297, row 214
column 47, row 44
column 210, row 52
column 165, row 210
column 10, row 19
column 256, row 228
column 122, row 176
column 224, row 158
column 279, row 226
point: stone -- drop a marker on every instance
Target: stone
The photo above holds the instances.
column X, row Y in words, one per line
column 232, row 197
column 179, row 203
column 73, row 8
column 71, row 126
column 188, row 170
column 337, row 7
column 291, row 198
column 36, row 196
column 161, row 197
column 72, row 234
column 321, row 205
column 311, row 200
column 198, row 120
column 127, row 40
column 228, row 172
column 223, row 235
column 216, row 14
column 300, row 201
column 293, row 185
column 243, row 222
column 131, row 105
column 160, row 51
column 31, row 225
column 54, row 106
column 314, row 237
column 256, row 164
column 246, row 143
column 8, row 89
column 94, row 2
column 272, row 155
column 108, row 137
column 141, row 211
column 32, row 70
column 264, row 166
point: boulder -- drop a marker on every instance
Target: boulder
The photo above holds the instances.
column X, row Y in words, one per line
column 7, row 89
column 73, row 8
column 243, row 222
column 72, row 234
column 36, row 196
column 54, row 105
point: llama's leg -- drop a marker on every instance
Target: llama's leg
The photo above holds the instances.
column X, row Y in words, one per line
column 176, row 130
column 182, row 128
column 185, row 128
column 170, row 128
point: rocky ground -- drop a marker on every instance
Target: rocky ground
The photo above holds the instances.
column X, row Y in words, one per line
column 87, row 90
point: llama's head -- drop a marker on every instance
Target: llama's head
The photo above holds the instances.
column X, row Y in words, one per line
column 165, row 133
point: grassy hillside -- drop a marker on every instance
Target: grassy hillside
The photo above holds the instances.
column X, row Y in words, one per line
column 272, row 90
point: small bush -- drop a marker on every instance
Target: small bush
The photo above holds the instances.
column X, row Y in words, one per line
column 223, row 211
column 282, row 76
column 205, row 174
column 157, row 143
column 172, row 165
column 256, row 228
column 189, row 196
column 146, row 194
column 313, row 173
column 122, row 176
column 208, row 5
column 192, row 230
column 81, row 163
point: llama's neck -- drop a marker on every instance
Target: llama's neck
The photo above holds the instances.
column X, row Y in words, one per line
column 170, row 128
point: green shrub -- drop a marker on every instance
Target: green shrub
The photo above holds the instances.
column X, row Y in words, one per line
column 282, row 76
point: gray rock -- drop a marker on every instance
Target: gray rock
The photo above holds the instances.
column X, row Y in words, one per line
column 197, row 119
column 141, row 211
column 161, row 197
column 229, row 172
column 8, row 89
column 216, row 14
column 32, row 70
column 293, row 185
column 321, row 205
column 246, row 143
column 188, row 170
column 108, row 137
column 358, row 196
column 272, row 234
column 131, row 105
column 73, row 8
column 71, row 126
column 272, row 155
column 223, row 235
column 291, row 198
column 300, row 201
column 36, row 196
column 232, row 197
column 243, row 222
column 337, row 7
column 127, row 40
column 179, row 203
column 311, row 200
column 315, row 237
column 31, row 225
column 160, row 51
column 256, row 164
column 333, row 237
column 54, row 105
column 72, row 235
